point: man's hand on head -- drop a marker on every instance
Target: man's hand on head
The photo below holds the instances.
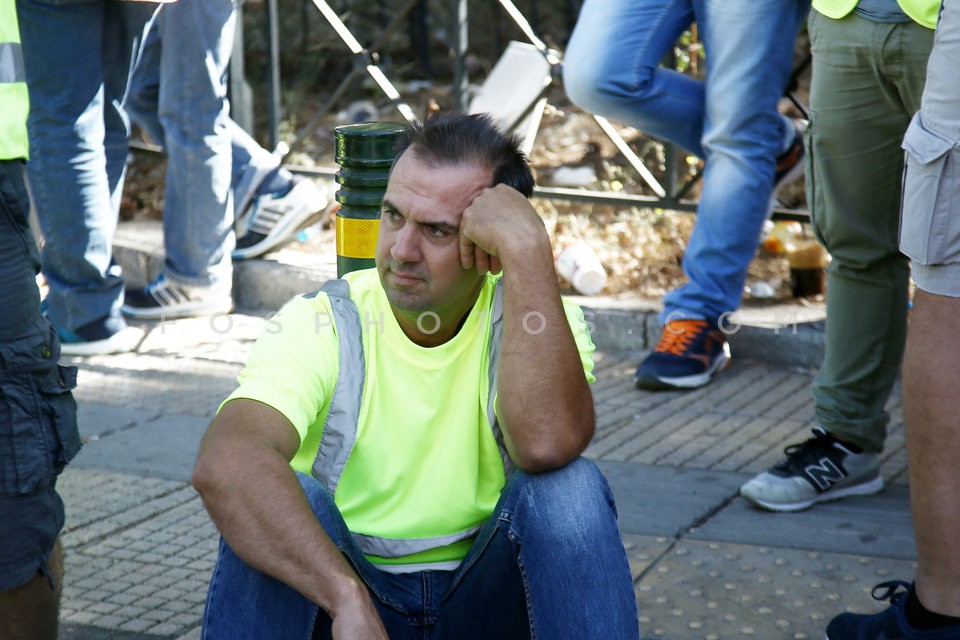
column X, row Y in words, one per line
column 500, row 223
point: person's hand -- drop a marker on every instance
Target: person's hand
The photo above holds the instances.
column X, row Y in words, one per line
column 358, row 620
column 500, row 219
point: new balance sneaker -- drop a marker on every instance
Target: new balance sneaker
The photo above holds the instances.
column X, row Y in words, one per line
column 686, row 357
column 273, row 220
column 889, row 624
column 820, row 469
column 162, row 299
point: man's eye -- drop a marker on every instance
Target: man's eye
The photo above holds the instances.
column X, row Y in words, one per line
column 436, row 232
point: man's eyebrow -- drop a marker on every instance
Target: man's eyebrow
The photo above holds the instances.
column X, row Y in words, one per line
column 389, row 205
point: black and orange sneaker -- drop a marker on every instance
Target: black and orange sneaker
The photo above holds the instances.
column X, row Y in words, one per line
column 687, row 356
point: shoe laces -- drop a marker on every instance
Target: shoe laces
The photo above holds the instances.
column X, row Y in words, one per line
column 891, row 591
column 807, row 452
column 679, row 335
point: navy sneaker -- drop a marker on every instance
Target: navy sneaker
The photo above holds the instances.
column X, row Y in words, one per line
column 790, row 163
column 101, row 337
column 687, row 356
column 889, row 624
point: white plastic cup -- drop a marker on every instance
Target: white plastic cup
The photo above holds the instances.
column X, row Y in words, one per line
column 579, row 265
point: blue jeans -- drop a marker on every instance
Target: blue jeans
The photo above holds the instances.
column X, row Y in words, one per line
column 78, row 55
column 143, row 103
column 729, row 119
column 549, row 563
column 178, row 94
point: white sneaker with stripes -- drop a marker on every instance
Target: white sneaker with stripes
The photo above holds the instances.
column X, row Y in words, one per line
column 162, row 299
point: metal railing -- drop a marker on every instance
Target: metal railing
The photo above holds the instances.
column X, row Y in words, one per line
column 670, row 193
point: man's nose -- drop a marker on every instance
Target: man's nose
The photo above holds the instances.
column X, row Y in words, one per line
column 405, row 247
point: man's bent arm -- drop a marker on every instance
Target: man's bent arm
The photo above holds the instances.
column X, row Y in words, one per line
column 253, row 496
column 545, row 404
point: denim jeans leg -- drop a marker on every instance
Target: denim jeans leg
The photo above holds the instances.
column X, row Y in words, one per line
column 196, row 41
column 742, row 136
column 245, row 603
column 730, row 119
column 78, row 56
column 612, row 68
column 549, row 564
column 143, row 103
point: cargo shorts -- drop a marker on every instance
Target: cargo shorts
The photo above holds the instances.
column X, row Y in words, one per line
column 930, row 220
column 38, row 437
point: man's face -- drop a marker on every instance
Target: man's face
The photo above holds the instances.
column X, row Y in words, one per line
column 418, row 251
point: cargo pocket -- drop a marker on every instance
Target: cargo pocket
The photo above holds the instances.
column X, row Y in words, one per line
column 61, row 409
column 929, row 233
column 38, row 428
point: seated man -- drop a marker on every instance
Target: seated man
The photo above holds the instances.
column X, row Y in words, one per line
column 402, row 454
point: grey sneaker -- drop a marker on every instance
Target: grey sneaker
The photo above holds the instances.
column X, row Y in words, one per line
column 820, row 469
column 162, row 299
column 273, row 220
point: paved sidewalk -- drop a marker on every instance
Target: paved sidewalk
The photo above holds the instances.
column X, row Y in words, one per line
column 140, row 548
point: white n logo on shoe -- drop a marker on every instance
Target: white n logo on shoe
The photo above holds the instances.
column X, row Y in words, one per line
column 824, row 474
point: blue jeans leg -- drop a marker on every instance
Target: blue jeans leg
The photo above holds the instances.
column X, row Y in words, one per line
column 78, row 56
column 196, row 39
column 551, row 529
column 245, row 603
column 729, row 119
column 143, row 103
column 550, row 563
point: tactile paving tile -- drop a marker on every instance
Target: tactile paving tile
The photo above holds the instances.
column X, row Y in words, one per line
column 715, row 591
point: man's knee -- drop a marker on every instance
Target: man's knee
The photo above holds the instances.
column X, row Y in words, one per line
column 573, row 501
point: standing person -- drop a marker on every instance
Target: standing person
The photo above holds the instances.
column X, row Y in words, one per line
column 729, row 119
column 78, row 56
column 930, row 236
column 178, row 95
column 869, row 64
column 402, row 453
column 38, row 429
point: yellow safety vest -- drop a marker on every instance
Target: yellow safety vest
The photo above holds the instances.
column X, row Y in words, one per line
column 922, row 11
column 14, row 101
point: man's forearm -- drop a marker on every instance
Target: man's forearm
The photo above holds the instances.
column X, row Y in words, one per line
column 545, row 401
column 257, row 503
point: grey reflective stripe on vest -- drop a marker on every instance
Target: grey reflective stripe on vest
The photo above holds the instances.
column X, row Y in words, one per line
column 340, row 428
column 11, row 63
column 399, row 547
column 496, row 333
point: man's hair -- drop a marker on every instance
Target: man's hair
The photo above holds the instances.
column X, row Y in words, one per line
column 456, row 138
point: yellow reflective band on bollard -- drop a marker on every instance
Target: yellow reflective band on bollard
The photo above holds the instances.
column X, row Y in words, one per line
column 357, row 237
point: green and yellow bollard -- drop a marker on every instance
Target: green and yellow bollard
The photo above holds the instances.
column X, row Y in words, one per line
column 364, row 152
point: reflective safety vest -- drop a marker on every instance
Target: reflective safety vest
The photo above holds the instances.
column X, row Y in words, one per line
column 340, row 429
column 14, row 100
column 923, row 12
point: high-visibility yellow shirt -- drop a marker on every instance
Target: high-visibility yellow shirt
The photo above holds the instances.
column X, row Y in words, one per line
column 923, row 12
column 14, row 101
column 425, row 463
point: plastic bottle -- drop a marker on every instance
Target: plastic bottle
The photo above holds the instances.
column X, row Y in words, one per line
column 579, row 265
